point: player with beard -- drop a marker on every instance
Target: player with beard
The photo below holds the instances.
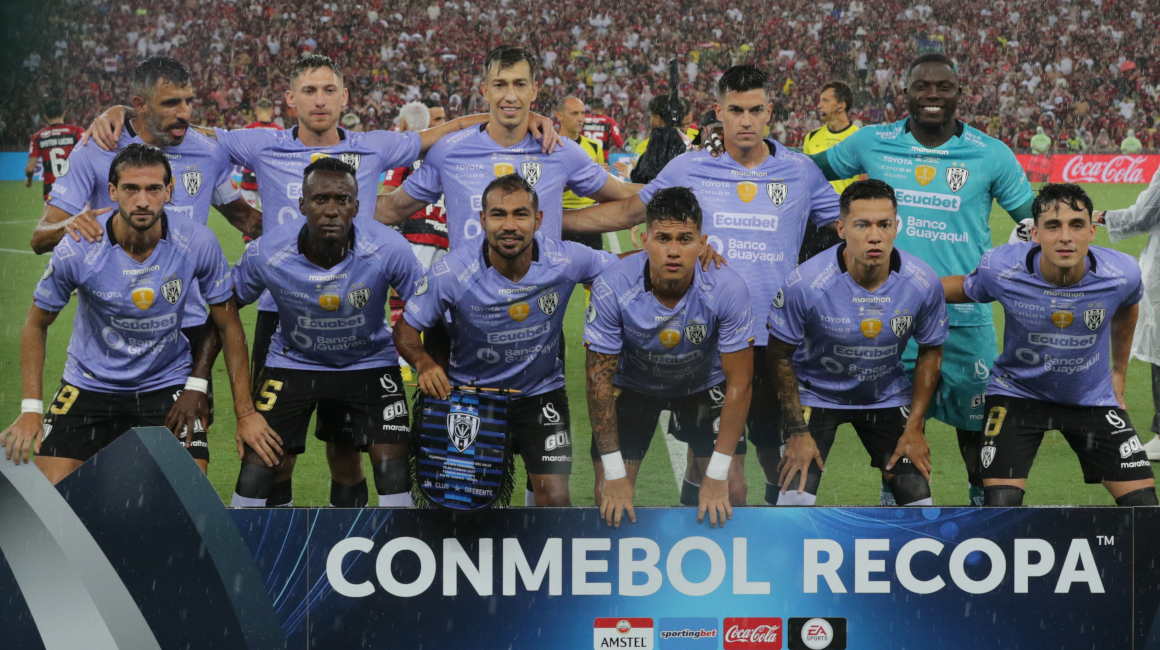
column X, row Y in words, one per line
column 127, row 362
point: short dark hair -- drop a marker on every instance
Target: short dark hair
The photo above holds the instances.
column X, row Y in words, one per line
column 53, row 108
column 865, row 191
column 677, row 204
column 842, row 93
column 1052, row 195
column 510, row 184
column 329, row 164
column 659, row 106
column 264, row 103
column 139, row 155
column 932, row 57
column 312, row 62
column 430, row 103
column 741, row 78
column 153, row 71
column 506, row 56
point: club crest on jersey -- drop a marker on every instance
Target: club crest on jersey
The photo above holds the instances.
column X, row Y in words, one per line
column 871, row 327
column 192, row 183
column 1063, row 319
column 779, row 299
column 504, row 169
column 1093, row 318
column 352, row 159
column 957, row 177
column 924, row 174
column 901, row 324
column 171, row 291
column 462, row 428
column 548, row 302
column 777, row 193
column 531, row 172
column 329, row 301
column 359, row 298
column 746, row 191
column 519, row 311
column 422, row 288
column 670, row 338
column 988, row 455
column 696, row 333
column 590, row 313
column 143, row 297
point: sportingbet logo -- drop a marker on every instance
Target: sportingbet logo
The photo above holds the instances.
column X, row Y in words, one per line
column 622, row 633
column 307, row 323
column 515, row 336
column 1062, row 341
column 752, row 634
column 931, row 200
column 687, row 633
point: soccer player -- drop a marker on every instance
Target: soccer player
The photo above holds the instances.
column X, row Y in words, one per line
column 946, row 175
column 427, row 228
column 436, row 111
column 460, row 166
column 330, row 279
column 759, row 195
column 127, row 362
column 507, row 298
column 603, row 129
column 51, row 146
column 1070, row 308
column 664, row 335
column 263, row 119
column 837, row 330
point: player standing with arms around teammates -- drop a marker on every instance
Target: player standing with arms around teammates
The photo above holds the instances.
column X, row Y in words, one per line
column 945, row 175
column 507, row 299
column 757, row 197
column 330, row 279
column 51, row 146
column 663, row 334
column 128, row 364
column 837, row 332
column 1068, row 304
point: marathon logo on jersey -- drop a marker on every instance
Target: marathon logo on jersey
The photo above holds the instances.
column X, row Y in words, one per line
column 1062, row 341
column 957, row 177
column 871, row 327
column 504, row 169
column 519, row 311
column 192, row 183
column 816, row 634
column 752, row 634
column 531, row 172
column 778, row 193
column 924, row 174
column 359, row 298
column 329, row 301
column 1093, row 318
column 901, row 325
column 548, row 302
column 687, row 633
column 622, row 633
column 746, row 191
column 351, row 158
column 307, row 323
column 143, row 297
column 696, row 333
column 462, row 428
column 670, row 338
column 171, row 291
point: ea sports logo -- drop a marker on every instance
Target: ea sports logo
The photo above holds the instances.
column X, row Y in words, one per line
column 817, row 633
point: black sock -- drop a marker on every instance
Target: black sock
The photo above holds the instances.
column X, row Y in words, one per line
column 281, row 495
column 348, row 496
column 970, row 446
column 690, row 493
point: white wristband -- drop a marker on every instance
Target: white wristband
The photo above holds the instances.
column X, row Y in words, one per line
column 613, row 466
column 194, row 383
column 32, row 406
column 718, row 468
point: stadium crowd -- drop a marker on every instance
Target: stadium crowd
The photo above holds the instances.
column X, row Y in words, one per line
column 1086, row 72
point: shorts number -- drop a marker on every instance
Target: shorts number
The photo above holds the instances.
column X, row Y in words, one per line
column 995, row 421
column 268, row 393
column 65, row 398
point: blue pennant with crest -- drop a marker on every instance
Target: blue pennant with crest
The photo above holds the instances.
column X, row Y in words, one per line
column 462, row 457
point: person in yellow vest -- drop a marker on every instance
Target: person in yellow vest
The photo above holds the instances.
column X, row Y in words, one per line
column 570, row 114
column 833, row 110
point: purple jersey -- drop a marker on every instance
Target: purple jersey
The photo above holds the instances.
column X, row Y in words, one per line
column 460, row 166
column 127, row 331
column 332, row 318
column 664, row 351
column 507, row 334
column 1056, row 340
column 755, row 218
column 850, row 340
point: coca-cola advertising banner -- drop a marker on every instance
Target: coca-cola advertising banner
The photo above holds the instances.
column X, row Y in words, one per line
column 1085, row 168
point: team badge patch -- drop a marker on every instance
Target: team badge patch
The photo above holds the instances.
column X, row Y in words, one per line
column 778, row 192
column 359, row 298
column 192, row 183
column 988, row 455
column 48, row 270
column 924, row 174
column 329, row 301
column 315, row 157
column 462, row 429
column 171, row 291
column 143, row 297
column 422, row 288
column 901, row 324
column 462, row 458
column 779, row 299
column 670, row 338
column 746, row 191
column 504, row 169
column 548, row 302
column 871, row 327
column 1093, row 318
column 519, row 311
column 590, row 313
column 957, row 177
column 696, row 333
column 531, row 172
column 1064, row 319
column 352, row 159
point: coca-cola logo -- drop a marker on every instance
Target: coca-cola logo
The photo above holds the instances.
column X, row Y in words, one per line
column 752, row 634
column 1105, row 169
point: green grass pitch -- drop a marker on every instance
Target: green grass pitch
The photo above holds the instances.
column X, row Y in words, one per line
column 849, row 478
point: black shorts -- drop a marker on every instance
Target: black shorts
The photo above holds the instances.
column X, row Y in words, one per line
column 694, row 419
column 1102, row 437
column 194, row 335
column 373, row 399
column 81, row 422
column 539, row 427
column 878, row 428
column 593, row 240
column 764, row 421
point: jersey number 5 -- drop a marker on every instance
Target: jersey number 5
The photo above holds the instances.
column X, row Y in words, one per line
column 268, row 394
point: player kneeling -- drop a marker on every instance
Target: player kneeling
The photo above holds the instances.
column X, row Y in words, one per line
column 128, row 362
column 837, row 331
column 1058, row 291
column 330, row 279
column 663, row 334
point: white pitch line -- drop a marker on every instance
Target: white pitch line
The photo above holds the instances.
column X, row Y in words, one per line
column 614, row 243
column 9, row 223
column 13, row 250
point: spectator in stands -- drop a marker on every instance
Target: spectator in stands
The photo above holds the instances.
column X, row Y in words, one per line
column 1040, row 142
column 1131, row 144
